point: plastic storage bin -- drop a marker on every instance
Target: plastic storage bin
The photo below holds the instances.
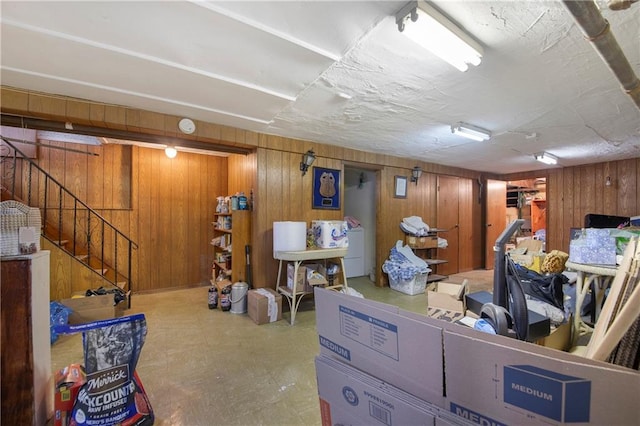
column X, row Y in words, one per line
column 416, row 285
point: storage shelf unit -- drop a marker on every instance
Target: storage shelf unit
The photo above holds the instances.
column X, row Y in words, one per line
column 427, row 254
column 234, row 229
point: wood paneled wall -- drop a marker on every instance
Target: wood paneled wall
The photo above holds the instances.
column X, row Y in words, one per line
column 171, row 204
column 573, row 192
column 169, row 213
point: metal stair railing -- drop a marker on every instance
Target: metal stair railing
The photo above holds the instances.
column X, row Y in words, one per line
column 64, row 216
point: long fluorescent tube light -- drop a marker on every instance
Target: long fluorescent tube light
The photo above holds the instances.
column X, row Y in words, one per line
column 472, row 132
column 546, row 158
column 433, row 31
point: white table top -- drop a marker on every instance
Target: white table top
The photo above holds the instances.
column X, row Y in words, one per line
column 310, row 254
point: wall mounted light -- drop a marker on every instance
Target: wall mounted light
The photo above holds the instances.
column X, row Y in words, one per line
column 415, row 174
column 546, row 158
column 170, row 152
column 607, row 181
column 471, row 132
column 433, row 31
column 307, row 160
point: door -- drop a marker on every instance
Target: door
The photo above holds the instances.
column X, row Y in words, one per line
column 496, row 215
column 447, row 214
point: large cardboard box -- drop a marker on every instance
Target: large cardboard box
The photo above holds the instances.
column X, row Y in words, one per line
column 93, row 308
column 375, row 338
column 264, row 305
column 483, row 378
column 350, row 397
column 497, row 380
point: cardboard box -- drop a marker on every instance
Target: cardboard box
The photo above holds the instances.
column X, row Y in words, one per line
column 301, row 279
column 486, row 379
column 349, row 396
column 560, row 337
column 374, row 338
column 421, row 242
column 319, row 278
column 264, row 305
column 531, row 384
column 449, row 296
column 92, row 308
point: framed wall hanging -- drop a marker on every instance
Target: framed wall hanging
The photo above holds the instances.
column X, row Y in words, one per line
column 326, row 188
column 400, row 187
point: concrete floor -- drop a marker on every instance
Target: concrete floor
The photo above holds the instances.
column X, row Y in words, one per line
column 208, row 367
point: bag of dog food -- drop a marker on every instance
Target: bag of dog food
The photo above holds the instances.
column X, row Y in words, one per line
column 113, row 393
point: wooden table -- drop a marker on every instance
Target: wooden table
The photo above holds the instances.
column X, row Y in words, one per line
column 297, row 257
column 600, row 277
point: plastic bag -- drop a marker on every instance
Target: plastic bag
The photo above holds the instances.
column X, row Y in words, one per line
column 547, row 288
column 58, row 315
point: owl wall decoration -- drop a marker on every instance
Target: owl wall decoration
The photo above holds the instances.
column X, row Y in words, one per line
column 326, row 188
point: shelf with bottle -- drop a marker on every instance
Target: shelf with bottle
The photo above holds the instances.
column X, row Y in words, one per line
column 231, row 236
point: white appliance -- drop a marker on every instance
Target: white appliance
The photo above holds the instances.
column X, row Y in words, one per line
column 354, row 260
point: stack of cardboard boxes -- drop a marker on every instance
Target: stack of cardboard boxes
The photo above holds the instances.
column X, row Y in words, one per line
column 378, row 363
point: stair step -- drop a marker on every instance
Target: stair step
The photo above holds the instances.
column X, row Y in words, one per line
column 82, row 256
column 61, row 242
column 104, row 270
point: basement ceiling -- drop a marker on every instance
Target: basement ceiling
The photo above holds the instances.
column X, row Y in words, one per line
column 340, row 73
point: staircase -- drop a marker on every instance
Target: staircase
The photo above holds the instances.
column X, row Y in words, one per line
column 68, row 222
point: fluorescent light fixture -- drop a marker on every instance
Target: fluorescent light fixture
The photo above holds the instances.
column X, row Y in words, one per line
column 546, row 158
column 433, row 31
column 472, row 132
column 68, row 137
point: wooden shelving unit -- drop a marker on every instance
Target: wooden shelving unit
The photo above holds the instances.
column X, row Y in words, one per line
column 235, row 230
column 427, row 254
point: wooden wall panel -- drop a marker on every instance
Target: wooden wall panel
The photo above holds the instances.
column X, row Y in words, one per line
column 627, row 187
column 181, row 197
column 448, row 202
column 609, row 193
column 142, row 193
column 196, row 228
column 465, row 219
column 573, row 192
column 95, row 186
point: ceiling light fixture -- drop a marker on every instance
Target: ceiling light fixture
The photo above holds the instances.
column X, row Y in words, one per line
column 433, row 31
column 546, row 158
column 170, row 152
column 472, row 132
